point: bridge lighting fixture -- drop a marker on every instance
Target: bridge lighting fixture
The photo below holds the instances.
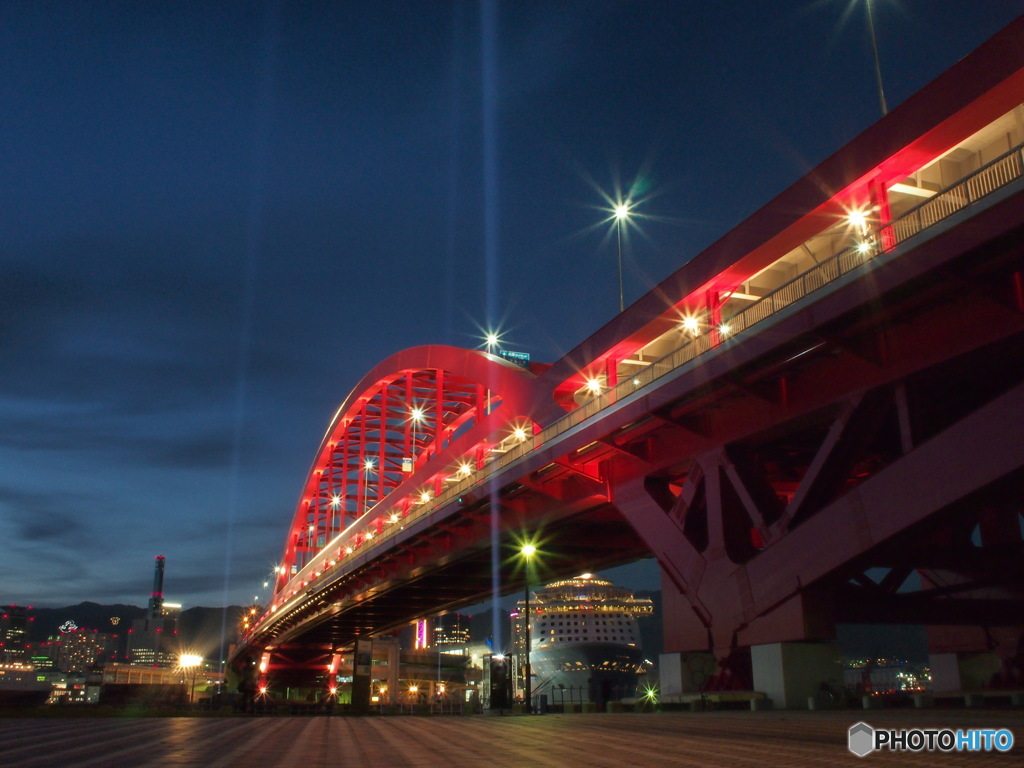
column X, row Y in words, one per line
column 425, row 496
column 594, row 386
column 691, row 325
column 491, row 340
column 864, row 247
column 336, row 501
column 724, row 329
column 348, row 550
column 369, row 465
column 465, row 470
column 519, row 433
column 417, row 414
column 393, row 518
column 858, row 220
column 369, row 534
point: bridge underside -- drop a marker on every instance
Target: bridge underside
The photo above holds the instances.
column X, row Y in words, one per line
column 457, row 566
column 806, row 482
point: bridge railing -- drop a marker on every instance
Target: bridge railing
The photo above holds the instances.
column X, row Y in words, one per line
column 990, row 178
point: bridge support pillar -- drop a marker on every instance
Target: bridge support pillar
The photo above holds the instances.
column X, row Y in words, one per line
column 362, row 666
column 683, row 673
column 791, row 673
column 962, row 671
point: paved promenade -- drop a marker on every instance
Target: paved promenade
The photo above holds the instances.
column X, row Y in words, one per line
column 734, row 739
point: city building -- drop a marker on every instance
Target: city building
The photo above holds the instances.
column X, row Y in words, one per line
column 81, row 649
column 451, row 634
column 14, row 638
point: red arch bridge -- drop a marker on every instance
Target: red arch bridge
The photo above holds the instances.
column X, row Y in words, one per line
column 822, row 404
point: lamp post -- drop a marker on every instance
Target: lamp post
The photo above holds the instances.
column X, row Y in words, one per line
column 190, row 662
column 621, row 213
column 527, row 552
column 874, row 50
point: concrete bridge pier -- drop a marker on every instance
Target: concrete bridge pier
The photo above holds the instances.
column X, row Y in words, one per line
column 790, row 674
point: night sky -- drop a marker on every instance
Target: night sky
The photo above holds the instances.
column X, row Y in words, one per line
column 215, row 217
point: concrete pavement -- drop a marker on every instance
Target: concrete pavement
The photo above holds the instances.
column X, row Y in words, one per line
column 694, row 740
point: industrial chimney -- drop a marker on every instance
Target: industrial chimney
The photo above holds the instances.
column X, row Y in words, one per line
column 156, row 598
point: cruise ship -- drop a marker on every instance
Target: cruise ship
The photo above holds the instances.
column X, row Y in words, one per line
column 584, row 640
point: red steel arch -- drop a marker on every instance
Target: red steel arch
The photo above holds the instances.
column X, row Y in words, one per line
column 404, row 429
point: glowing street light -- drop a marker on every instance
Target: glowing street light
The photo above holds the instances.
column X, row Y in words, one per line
column 527, row 551
column 621, row 214
column 190, row 663
column 417, row 414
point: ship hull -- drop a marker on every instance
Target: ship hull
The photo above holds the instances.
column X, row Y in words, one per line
column 589, row 671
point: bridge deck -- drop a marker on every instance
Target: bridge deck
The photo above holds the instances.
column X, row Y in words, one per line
column 614, row 740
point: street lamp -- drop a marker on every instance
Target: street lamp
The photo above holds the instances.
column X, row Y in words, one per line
column 874, row 50
column 190, row 662
column 621, row 213
column 417, row 414
column 527, row 552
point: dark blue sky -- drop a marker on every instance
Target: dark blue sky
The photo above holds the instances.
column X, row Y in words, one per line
column 216, row 216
